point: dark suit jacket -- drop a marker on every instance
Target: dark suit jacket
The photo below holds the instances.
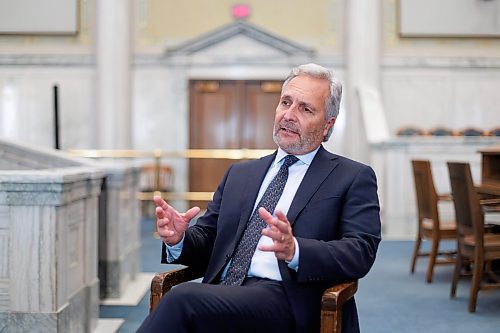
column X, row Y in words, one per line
column 335, row 219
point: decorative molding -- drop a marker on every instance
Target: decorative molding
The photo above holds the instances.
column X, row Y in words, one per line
column 177, row 60
column 58, row 60
column 440, row 62
column 239, row 28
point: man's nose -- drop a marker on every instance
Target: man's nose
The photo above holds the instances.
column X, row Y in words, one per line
column 291, row 112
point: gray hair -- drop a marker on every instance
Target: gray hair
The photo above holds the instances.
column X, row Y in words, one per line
column 332, row 103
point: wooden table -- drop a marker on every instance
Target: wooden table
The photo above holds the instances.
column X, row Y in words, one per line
column 490, row 171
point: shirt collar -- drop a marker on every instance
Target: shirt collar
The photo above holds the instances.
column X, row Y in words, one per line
column 306, row 158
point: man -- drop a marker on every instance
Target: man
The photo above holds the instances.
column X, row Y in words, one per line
column 323, row 229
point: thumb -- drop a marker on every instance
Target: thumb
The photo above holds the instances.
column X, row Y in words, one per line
column 192, row 212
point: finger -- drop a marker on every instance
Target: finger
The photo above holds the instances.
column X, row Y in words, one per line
column 278, row 252
column 161, row 222
column 265, row 215
column 159, row 202
column 267, row 248
column 282, row 251
column 274, row 234
column 165, row 232
column 159, row 212
column 192, row 212
column 282, row 217
column 281, row 222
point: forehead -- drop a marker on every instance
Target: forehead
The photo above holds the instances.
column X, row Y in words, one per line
column 307, row 88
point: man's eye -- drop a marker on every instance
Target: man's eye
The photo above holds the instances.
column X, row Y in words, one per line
column 284, row 102
column 308, row 110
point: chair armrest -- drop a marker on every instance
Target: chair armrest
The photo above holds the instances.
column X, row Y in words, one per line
column 331, row 308
column 331, row 305
column 163, row 282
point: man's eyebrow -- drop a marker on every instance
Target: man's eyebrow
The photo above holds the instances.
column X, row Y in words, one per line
column 311, row 106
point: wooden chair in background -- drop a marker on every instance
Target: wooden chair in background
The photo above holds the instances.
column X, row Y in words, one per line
column 410, row 131
column 429, row 225
column 331, row 307
column 494, row 131
column 154, row 178
column 472, row 131
column 474, row 245
column 441, row 131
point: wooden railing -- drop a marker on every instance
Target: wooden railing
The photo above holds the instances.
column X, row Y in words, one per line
column 157, row 155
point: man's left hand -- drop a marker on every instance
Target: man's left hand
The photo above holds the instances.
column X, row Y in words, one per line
column 280, row 231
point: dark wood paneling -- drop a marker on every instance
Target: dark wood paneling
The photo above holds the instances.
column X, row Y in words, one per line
column 228, row 115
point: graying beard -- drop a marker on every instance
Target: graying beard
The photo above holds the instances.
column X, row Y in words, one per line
column 300, row 145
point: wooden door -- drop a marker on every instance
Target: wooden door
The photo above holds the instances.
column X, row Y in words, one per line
column 228, row 115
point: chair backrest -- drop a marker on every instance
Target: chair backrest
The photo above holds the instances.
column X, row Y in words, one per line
column 495, row 131
column 441, row 131
column 427, row 197
column 149, row 181
column 469, row 215
column 410, row 131
column 471, row 131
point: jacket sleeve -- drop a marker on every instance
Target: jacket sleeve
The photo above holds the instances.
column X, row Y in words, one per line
column 351, row 251
column 200, row 237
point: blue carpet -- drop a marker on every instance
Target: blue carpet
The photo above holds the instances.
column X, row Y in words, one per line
column 389, row 299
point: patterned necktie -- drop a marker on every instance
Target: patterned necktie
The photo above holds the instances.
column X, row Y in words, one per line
column 244, row 252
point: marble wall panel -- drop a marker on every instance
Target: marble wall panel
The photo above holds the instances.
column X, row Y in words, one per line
column 26, row 110
column 450, row 97
column 75, row 251
column 32, row 251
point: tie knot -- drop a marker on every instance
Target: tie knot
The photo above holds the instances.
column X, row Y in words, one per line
column 289, row 160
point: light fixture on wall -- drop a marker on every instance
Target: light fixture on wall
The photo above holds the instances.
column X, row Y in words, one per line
column 240, row 11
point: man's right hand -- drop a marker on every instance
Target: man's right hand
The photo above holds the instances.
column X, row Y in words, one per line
column 171, row 224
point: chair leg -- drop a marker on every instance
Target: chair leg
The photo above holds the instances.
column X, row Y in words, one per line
column 477, row 273
column 432, row 258
column 456, row 274
column 416, row 252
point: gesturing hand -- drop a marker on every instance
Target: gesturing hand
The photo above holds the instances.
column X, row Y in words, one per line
column 170, row 223
column 280, row 232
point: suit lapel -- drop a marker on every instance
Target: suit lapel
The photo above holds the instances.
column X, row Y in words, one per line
column 321, row 166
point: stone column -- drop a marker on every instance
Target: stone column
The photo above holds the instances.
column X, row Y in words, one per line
column 113, row 77
column 363, row 68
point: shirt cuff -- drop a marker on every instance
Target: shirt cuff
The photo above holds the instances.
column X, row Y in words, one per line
column 174, row 251
column 294, row 263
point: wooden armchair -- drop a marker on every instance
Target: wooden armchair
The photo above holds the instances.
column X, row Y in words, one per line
column 429, row 225
column 474, row 244
column 331, row 310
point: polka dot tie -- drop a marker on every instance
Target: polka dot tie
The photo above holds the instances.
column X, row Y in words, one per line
column 246, row 247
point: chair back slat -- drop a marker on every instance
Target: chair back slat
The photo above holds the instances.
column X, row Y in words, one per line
column 469, row 215
column 427, row 197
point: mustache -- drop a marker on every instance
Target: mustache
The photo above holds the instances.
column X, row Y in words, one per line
column 289, row 126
